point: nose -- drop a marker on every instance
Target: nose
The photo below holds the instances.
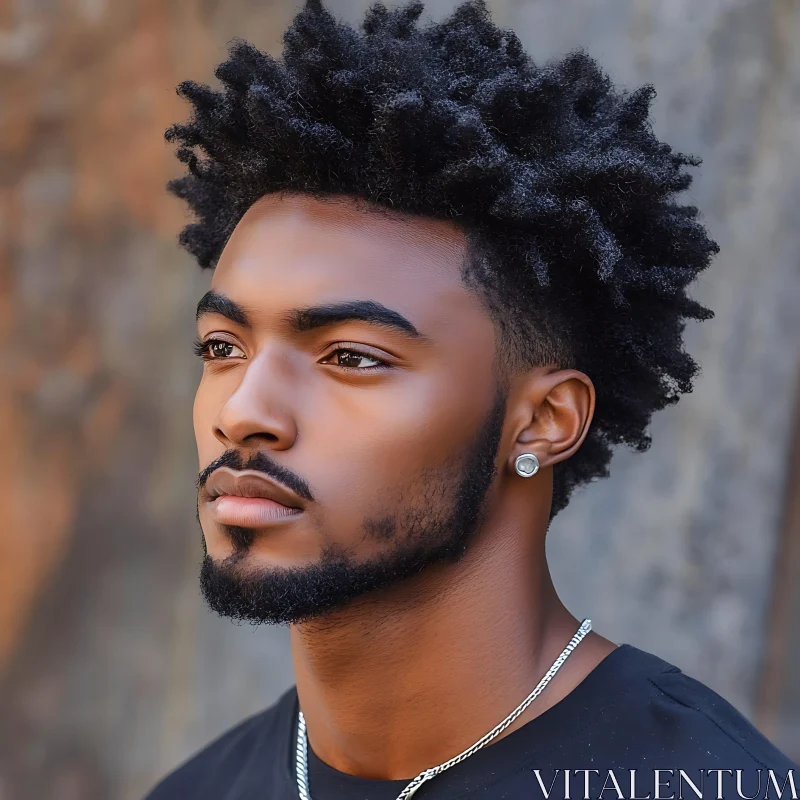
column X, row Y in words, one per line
column 257, row 411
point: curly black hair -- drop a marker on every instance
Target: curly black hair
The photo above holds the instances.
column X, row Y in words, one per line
column 566, row 197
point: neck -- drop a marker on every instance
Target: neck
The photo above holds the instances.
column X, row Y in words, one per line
column 405, row 680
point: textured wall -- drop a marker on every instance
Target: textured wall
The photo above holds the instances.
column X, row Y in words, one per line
column 111, row 669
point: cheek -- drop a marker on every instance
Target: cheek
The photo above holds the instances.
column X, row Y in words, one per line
column 376, row 438
column 208, row 400
column 197, row 416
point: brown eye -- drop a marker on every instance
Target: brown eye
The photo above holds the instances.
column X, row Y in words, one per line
column 347, row 358
column 216, row 350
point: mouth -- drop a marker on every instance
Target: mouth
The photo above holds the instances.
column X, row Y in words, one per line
column 249, row 512
column 249, row 499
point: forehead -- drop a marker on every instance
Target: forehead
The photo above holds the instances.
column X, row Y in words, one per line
column 290, row 250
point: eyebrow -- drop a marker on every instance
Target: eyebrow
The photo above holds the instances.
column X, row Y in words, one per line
column 309, row 318
column 215, row 303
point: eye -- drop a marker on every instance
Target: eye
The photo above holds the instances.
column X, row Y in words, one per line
column 215, row 349
column 352, row 359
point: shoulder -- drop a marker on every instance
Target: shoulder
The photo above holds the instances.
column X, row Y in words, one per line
column 686, row 721
column 243, row 750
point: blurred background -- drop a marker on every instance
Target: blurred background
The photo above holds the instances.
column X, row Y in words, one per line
column 111, row 669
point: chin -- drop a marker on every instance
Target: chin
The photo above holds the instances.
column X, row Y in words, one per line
column 255, row 549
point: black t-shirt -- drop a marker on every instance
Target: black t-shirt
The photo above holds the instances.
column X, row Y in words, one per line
column 634, row 722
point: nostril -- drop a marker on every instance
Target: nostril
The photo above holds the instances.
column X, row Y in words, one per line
column 250, row 425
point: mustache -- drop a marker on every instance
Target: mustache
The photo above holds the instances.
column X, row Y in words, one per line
column 258, row 462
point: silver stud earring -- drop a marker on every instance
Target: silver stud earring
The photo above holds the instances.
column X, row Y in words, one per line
column 526, row 465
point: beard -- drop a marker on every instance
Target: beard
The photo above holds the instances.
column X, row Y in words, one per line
column 438, row 530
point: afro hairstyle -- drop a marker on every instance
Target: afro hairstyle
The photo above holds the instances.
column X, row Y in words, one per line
column 576, row 243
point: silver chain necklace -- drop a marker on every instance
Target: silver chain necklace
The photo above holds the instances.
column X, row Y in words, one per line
column 302, row 740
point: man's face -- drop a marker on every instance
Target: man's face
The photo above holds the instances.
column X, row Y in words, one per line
column 386, row 429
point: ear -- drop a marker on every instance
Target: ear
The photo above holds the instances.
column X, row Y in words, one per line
column 555, row 410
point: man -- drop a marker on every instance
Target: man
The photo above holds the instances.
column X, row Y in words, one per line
column 446, row 282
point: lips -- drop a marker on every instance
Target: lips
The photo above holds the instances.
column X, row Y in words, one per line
column 249, row 499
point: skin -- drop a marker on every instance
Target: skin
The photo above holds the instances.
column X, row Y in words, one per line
column 404, row 678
